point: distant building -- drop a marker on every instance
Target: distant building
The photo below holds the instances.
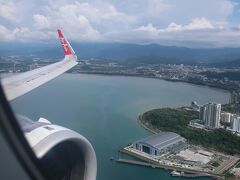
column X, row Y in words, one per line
column 194, row 105
column 202, row 112
column 235, row 125
column 233, row 98
column 161, row 143
column 210, row 114
column 226, row 117
column 196, row 124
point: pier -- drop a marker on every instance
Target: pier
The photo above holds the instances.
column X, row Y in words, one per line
column 183, row 173
column 153, row 164
column 134, row 162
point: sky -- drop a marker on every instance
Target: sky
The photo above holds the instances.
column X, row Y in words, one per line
column 190, row 23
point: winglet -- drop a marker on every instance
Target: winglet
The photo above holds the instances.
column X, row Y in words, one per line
column 66, row 46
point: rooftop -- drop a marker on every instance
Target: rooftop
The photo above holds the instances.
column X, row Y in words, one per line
column 162, row 139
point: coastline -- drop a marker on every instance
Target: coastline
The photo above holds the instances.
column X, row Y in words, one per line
column 152, row 130
column 168, row 122
column 153, row 164
column 169, row 80
column 185, row 172
column 227, row 106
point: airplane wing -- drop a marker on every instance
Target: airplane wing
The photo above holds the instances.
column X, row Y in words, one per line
column 63, row 153
column 17, row 85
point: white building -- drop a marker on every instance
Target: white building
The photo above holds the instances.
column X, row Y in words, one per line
column 161, row 143
column 194, row 105
column 226, row 117
column 235, row 125
column 210, row 114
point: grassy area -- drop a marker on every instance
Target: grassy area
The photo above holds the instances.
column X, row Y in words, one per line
column 168, row 119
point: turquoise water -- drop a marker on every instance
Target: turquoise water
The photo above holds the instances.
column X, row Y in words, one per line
column 105, row 108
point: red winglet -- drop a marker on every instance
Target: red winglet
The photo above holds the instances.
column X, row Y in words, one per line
column 65, row 45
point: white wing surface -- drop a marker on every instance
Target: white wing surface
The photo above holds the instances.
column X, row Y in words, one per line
column 17, row 85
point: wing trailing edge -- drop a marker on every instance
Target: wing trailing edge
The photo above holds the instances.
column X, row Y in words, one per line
column 18, row 85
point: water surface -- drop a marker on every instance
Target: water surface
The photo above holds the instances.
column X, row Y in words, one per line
column 105, row 108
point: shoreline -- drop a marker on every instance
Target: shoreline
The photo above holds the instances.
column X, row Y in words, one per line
column 215, row 174
column 154, row 164
column 169, row 80
column 154, row 131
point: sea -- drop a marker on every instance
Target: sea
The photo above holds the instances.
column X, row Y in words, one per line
column 104, row 109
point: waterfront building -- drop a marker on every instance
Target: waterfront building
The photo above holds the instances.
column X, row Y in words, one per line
column 201, row 113
column 194, row 105
column 210, row 114
column 226, row 117
column 235, row 125
column 161, row 143
column 233, row 98
column 195, row 123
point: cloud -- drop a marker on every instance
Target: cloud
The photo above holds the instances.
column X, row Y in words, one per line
column 85, row 30
column 5, row 34
column 199, row 23
column 41, row 21
column 100, row 14
column 7, row 10
column 104, row 12
column 162, row 12
column 217, row 11
column 195, row 24
column 76, row 25
column 158, row 7
column 200, row 32
column 170, row 22
column 24, row 34
column 66, row 17
column 148, row 28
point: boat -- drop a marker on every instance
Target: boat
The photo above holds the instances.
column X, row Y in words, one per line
column 175, row 173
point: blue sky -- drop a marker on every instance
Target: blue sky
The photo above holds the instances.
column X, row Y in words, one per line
column 191, row 23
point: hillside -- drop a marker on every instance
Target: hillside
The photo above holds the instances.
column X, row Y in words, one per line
column 149, row 53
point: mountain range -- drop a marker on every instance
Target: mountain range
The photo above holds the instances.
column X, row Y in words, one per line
column 143, row 53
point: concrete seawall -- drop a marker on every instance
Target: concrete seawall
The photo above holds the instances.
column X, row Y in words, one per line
column 151, row 163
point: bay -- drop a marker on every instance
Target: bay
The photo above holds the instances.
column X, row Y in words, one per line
column 105, row 109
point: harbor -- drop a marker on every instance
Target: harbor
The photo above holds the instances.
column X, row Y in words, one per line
column 175, row 171
column 191, row 161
